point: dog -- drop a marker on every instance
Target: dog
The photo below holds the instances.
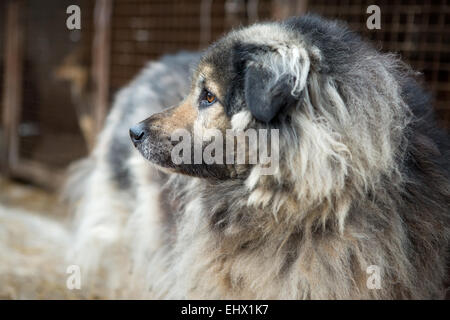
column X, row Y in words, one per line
column 357, row 205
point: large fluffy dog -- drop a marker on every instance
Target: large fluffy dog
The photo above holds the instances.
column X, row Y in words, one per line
column 362, row 178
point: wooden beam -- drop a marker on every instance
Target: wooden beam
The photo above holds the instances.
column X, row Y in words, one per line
column 101, row 59
column 12, row 89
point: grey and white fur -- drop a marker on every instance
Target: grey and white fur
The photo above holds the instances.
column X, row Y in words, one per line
column 363, row 177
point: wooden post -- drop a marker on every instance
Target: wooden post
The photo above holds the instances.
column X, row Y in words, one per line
column 101, row 59
column 12, row 89
column 12, row 164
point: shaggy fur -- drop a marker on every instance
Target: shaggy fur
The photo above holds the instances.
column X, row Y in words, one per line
column 363, row 177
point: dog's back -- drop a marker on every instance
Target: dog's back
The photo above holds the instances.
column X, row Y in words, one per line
column 102, row 191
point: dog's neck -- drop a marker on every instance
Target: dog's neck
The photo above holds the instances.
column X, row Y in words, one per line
column 230, row 208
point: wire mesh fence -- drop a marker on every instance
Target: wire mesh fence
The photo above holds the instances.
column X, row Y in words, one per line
column 143, row 30
column 418, row 30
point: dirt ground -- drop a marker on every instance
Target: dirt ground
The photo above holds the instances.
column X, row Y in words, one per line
column 34, row 238
column 17, row 195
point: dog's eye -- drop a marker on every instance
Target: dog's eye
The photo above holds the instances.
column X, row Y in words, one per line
column 207, row 98
column 210, row 97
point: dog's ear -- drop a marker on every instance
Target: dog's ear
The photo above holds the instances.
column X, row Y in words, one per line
column 265, row 94
column 274, row 77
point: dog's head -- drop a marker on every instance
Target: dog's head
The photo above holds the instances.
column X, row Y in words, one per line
column 249, row 80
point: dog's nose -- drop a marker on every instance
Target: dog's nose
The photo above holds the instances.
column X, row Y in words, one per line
column 137, row 133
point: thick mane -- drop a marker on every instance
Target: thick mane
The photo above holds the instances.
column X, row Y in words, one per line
column 351, row 120
column 340, row 197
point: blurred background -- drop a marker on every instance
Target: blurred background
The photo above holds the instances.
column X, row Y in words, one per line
column 56, row 85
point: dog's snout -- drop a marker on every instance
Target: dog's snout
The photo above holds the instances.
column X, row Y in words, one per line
column 137, row 133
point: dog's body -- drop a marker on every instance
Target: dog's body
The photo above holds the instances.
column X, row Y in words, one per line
column 362, row 178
